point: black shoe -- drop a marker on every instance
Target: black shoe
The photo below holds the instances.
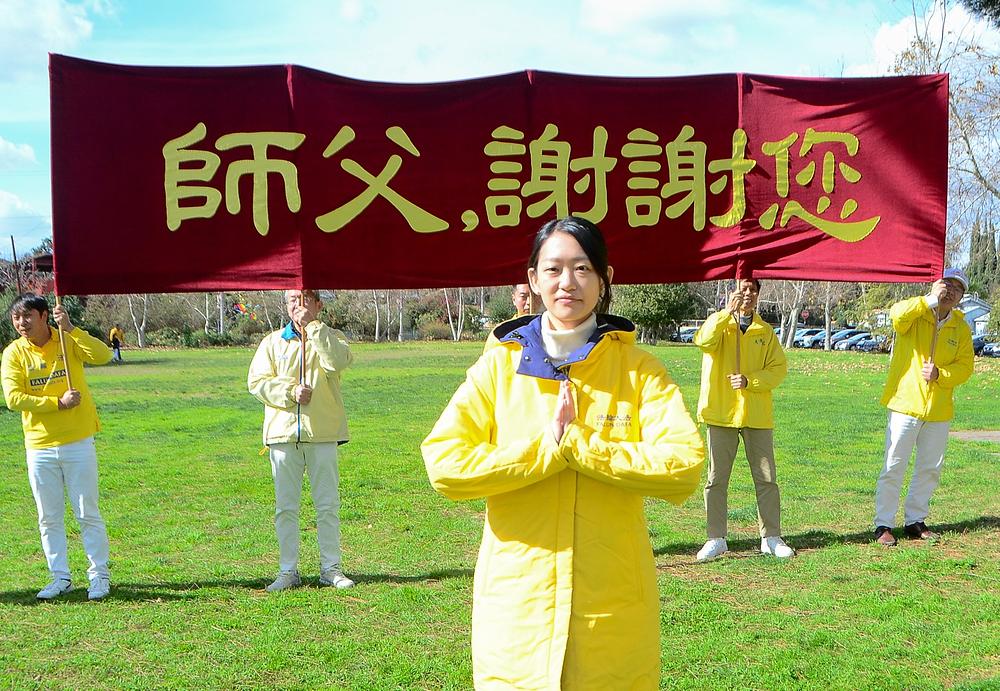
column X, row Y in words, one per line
column 920, row 531
column 884, row 536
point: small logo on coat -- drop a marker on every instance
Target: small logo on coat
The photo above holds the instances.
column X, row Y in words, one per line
column 614, row 421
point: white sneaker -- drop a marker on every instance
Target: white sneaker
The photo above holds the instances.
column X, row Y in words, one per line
column 715, row 547
column 58, row 586
column 335, row 577
column 99, row 589
column 284, row 581
column 777, row 547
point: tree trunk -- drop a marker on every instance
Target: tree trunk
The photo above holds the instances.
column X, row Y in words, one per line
column 378, row 321
column 139, row 324
column 400, row 316
column 221, row 301
column 827, row 322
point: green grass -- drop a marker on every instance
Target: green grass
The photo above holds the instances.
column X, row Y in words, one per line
column 189, row 506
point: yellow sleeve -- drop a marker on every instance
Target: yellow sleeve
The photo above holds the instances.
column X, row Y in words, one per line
column 960, row 369
column 88, row 349
column 461, row 455
column 905, row 312
column 666, row 463
column 709, row 335
column 331, row 346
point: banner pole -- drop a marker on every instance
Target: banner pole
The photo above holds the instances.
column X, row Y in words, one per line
column 17, row 269
column 62, row 347
column 934, row 336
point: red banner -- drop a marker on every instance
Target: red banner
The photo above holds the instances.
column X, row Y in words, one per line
column 183, row 179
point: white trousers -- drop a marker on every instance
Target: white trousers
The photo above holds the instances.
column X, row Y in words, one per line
column 901, row 435
column 70, row 469
column 288, row 465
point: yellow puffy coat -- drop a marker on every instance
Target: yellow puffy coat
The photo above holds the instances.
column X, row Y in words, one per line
column 565, row 591
column 905, row 389
column 34, row 378
column 274, row 374
column 762, row 362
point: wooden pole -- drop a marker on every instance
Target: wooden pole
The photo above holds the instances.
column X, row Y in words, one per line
column 17, row 269
column 62, row 348
column 934, row 336
column 738, row 335
column 302, row 350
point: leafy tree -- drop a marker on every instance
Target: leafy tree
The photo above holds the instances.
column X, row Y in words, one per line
column 655, row 309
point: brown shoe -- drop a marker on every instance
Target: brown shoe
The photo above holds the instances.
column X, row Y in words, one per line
column 920, row 531
column 884, row 536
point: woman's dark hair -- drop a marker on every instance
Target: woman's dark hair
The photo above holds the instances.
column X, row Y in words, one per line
column 589, row 236
column 26, row 302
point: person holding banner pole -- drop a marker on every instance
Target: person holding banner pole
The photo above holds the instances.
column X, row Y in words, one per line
column 932, row 355
column 43, row 378
column 521, row 297
column 742, row 363
column 296, row 374
column 563, row 425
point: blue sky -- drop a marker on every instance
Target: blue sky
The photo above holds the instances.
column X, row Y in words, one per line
column 429, row 40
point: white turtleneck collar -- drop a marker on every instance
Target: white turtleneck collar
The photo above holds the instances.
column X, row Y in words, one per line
column 560, row 344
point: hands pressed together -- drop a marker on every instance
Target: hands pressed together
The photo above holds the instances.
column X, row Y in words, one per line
column 565, row 410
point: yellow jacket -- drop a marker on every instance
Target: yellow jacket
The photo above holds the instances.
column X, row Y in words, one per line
column 116, row 333
column 274, row 374
column 905, row 389
column 762, row 362
column 565, row 588
column 34, row 379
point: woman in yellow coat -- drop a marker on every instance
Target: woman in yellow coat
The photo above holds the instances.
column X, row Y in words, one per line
column 563, row 426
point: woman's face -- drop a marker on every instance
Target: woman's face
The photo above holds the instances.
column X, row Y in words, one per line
column 566, row 281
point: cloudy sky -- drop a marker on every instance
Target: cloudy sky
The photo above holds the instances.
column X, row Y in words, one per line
column 429, row 40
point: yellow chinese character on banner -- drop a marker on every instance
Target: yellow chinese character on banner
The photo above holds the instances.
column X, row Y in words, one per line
column 259, row 167
column 643, row 150
column 177, row 158
column 504, row 209
column 739, row 165
column 418, row 219
column 551, row 166
column 686, row 174
column 176, row 178
column 842, row 229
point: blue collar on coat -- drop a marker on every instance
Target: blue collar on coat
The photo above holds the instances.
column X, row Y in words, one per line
column 289, row 333
column 535, row 362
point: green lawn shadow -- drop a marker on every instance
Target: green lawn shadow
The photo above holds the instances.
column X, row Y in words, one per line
column 818, row 539
column 128, row 591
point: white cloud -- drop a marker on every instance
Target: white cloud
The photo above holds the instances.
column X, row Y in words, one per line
column 25, row 224
column 31, row 28
column 957, row 25
column 626, row 16
column 14, row 155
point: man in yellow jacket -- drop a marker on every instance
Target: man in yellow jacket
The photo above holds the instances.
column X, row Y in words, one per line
column 304, row 422
column 932, row 354
column 736, row 402
column 59, row 424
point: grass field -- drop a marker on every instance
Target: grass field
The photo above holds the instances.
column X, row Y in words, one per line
column 189, row 506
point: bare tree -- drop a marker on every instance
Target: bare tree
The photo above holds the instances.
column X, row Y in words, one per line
column 458, row 323
column 139, row 321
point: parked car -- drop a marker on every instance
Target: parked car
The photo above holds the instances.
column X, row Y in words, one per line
column 991, row 350
column 816, row 340
column 978, row 343
column 843, row 334
column 802, row 334
column 685, row 334
column 849, row 343
column 874, row 343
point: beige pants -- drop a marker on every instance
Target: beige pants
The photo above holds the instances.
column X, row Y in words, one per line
column 759, row 446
